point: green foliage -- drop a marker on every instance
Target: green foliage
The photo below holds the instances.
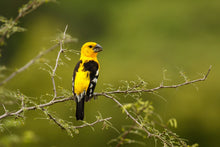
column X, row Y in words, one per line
column 30, row 6
column 172, row 122
column 2, row 69
column 9, row 97
column 144, row 111
column 13, row 123
column 10, row 26
column 25, row 138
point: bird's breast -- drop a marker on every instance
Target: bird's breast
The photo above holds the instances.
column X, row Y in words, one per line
column 82, row 81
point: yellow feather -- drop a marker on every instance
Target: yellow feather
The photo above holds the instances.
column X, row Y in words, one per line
column 82, row 80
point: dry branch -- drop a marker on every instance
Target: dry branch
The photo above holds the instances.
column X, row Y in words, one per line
column 32, row 61
column 91, row 124
column 54, row 119
column 159, row 87
column 106, row 94
column 57, row 61
column 138, row 123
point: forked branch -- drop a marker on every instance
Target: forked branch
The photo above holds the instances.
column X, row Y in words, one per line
column 32, row 61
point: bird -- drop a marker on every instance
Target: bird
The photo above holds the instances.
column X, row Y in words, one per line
column 85, row 76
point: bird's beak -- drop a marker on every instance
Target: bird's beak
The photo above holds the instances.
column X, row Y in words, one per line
column 97, row 48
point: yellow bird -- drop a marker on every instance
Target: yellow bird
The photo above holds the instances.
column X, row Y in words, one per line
column 85, row 76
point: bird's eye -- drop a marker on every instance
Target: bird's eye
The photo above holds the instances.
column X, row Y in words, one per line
column 90, row 46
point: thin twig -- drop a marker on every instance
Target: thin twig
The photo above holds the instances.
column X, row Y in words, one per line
column 57, row 61
column 6, row 111
column 32, row 61
column 22, row 102
column 128, row 114
column 124, row 135
column 91, row 124
column 138, row 123
column 122, row 138
column 53, row 119
column 75, row 127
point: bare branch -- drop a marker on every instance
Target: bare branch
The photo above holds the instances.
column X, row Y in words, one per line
column 32, row 61
column 53, row 119
column 124, row 135
column 91, row 124
column 57, row 60
column 138, row 123
column 35, row 107
column 41, row 106
column 128, row 114
column 159, row 87
column 106, row 94
column 205, row 77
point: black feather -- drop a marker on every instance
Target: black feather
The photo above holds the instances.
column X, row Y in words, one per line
column 91, row 66
column 80, row 109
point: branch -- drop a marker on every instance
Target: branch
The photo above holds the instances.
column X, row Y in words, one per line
column 106, row 94
column 138, row 123
column 128, row 114
column 91, row 124
column 34, row 107
column 57, row 60
column 32, row 61
column 6, row 114
column 53, row 119
column 157, row 88
column 6, row 111
column 124, row 135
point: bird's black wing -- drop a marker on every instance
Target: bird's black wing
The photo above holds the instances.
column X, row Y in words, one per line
column 93, row 68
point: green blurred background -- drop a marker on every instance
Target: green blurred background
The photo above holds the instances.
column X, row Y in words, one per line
column 140, row 39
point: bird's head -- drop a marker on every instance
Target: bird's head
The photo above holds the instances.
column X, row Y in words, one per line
column 90, row 49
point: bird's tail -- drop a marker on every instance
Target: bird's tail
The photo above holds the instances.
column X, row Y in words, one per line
column 80, row 109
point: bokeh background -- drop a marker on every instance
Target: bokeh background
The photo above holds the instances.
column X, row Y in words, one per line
column 140, row 39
